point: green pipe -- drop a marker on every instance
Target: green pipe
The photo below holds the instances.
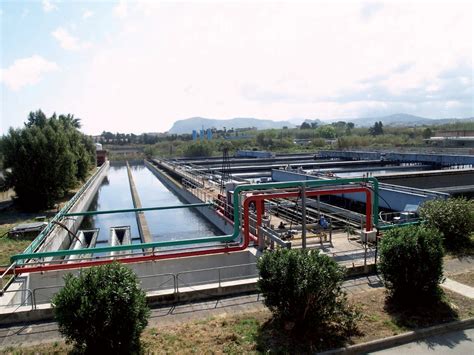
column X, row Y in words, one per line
column 224, row 238
column 391, row 226
column 67, row 252
column 93, row 213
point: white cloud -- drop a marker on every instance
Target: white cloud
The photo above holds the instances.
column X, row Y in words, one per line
column 274, row 61
column 121, row 10
column 87, row 14
column 68, row 41
column 49, row 6
column 26, row 71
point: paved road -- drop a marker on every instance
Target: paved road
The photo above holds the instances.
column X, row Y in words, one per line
column 459, row 342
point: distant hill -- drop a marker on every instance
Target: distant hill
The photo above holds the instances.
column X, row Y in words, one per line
column 403, row 119
column 399, row 119
column 187, row 125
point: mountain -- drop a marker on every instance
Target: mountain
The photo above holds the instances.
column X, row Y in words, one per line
column 187, row 125
column 403, row 119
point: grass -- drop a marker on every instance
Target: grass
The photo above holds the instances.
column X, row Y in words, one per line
column 10, row 245
column 256, row 332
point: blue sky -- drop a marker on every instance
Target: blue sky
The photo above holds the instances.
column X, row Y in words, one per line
column 138, row 66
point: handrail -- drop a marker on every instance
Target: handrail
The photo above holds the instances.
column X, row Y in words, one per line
column 7, row 271
column 173, row 277
column 215, row 269
column 43, row 288
column 30, row 296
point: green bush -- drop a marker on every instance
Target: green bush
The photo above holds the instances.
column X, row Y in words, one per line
column 102, row 310
column 303, row 288
column 454, row 218
column 411, row 264
column 199, row 149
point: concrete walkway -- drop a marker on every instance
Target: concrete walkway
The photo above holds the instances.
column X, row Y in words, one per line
column 459, row 342
column 465, row 290
column 458, row 266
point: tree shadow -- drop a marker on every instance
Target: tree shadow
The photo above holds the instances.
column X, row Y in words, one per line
column 272, row 337
column 422, row 314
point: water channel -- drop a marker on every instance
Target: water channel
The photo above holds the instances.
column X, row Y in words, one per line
column 114, row 193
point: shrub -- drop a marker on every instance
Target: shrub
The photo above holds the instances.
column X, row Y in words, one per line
column 411, row 264
column 102, row 310
column 199, row 149
column 454, row 218
column 303, row 287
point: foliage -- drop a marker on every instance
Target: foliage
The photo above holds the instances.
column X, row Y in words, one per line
column 327, row 132
column 427, row 133
column 199, row 149
column 45, row 159
column 303, row 287
column 376, row 129
column 305, row 125
column 453, row 217
column 411, row 264
column 102, row 310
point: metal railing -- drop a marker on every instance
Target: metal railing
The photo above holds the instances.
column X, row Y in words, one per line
column 168, row 277
column 165, row 281
column 24, row 302
column 216, row 276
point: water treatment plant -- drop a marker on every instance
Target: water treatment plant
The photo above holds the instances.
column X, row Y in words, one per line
column 195, row 227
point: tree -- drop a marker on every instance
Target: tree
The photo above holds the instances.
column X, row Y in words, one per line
column 411, row 264
column 199, row 149
column 427, row 133
column 453, row 217
column 45, row 159
column 305, row 125
column 304, row 288
column 376, row 129
column 102, row 310
column 327, row 132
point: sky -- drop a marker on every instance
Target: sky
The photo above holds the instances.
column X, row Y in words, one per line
column 138, row 66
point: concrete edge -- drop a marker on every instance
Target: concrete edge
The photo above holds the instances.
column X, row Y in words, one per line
column 400, row 339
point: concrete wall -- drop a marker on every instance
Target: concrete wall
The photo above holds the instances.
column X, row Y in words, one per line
column 208, row 213
column 430, row 179
column 437, row 159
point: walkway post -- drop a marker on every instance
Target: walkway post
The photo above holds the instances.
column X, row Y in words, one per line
column 303, row 214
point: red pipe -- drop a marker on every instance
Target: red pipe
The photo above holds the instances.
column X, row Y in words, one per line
column 259, row 199
column 134, row 259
